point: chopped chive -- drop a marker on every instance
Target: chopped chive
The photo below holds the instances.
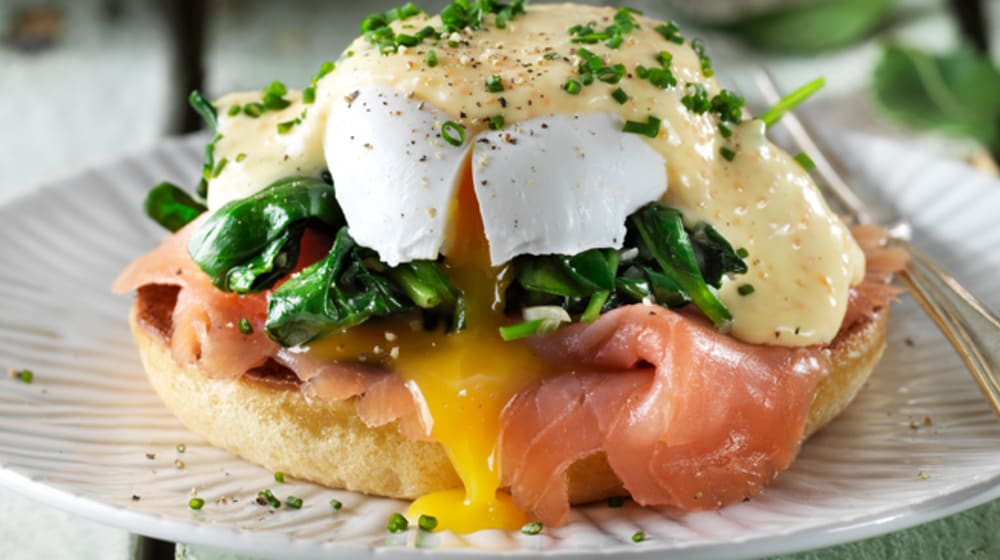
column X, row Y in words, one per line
column 431, row 59
column 551, row 56
column 234, row 110
column 706, row 63
column 219, row 167
column 787, row 103
column 805, row 161
column 397, row 523
column 279, row 477
column 638, row 536
column 494, row 84
column 742, row 253
column 594, row 306
column 407, row 40
column 587, row 78
column 448, row 131
column 616, row 501
column 336, row 504
column 725, row 131
column 324, row 69
column 727, row 153
column 670, row 32
column 572, row 87
column 266, row 497
column 254, row 110
column 196, row 503
column 286, row 127
column 521, row 330
column 246, row 328
column 532, row 528
column 696, row 98
column 496, row 122
column 240, row 157
column 745, row 289
column 293, row 502
column 620, row 96
column 22, row 375
column 427, row 523
column 649, row 128
column 309, row 95
column 611, row 74
column 665, row 58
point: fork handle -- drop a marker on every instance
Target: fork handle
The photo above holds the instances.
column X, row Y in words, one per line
column 971, row 328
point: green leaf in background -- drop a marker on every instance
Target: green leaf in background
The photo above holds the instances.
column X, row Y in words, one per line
column 811, row 27
column 956, row 93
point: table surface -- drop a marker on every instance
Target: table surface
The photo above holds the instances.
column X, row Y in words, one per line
column 124, row 70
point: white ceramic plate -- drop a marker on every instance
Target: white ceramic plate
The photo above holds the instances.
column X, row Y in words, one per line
column 91, row 437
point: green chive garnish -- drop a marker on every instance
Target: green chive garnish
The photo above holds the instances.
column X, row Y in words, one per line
column 532, row 528
column 494, row 84
column 496, row 122
column 234, row 110
column 196, row 503
column 431, row 59
column 551, row 56
column 309, row 95
column 324, row 69
column 727, row 153
column 742, row 253
column 620, row 96
column 521, row 330
column 293, row 502
column 805, row 161
column 397, row 523
column 240, row 157
column 725, row 131
column 336, row 504
column 286, row 127
column 745, row 289
column 279, row 477
column 427, row 523
column 594, row 306
column 787, row 103
column 453, row 133
column 23, row 375
column 266, row 497
column 572, row 87
column 254, row 110
column 616, row 501
column 639, row 536
column 246, row 328
column 649, row 128
column 670, row 32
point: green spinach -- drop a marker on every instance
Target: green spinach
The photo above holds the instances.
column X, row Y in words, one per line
column 349, row 286
column 249, row 244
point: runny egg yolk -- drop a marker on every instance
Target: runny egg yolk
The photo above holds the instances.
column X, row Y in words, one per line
column 465, row 378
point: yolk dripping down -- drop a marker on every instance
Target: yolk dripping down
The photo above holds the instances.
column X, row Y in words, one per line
column 465, row 378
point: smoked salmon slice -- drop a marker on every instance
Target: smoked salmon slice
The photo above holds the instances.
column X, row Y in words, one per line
column 686, row 416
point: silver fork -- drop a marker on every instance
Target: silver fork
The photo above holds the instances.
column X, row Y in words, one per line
column 971, row 328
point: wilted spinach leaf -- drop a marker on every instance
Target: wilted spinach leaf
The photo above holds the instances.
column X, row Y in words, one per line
column 171, row 207
column 250, row 243
column 350, row 286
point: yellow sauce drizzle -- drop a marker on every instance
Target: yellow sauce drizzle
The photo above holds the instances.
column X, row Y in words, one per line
column 465, row 378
